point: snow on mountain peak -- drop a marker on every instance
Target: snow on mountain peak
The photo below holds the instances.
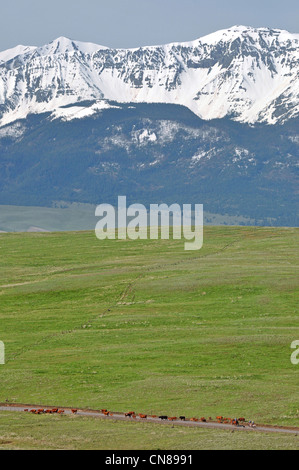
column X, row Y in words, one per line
column 9, row 54
column 63, row 45
column 248, row 74
column 244, row 32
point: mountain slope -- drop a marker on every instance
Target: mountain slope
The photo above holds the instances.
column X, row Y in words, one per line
column 247, row 74
column 153, row 153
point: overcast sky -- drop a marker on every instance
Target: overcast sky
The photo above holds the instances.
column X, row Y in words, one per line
column 133, row 23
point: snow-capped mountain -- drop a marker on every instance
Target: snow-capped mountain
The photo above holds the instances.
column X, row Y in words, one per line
column 247, row 74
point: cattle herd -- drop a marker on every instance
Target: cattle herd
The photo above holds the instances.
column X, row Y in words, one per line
column 132, row 414
column 50, row 411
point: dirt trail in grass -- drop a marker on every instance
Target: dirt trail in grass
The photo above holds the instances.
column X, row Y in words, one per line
column 88, row 322
column 149, row 419
column 6, row 286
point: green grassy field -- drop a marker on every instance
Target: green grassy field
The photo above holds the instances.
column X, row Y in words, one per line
column 145, row 325
column 23, row 431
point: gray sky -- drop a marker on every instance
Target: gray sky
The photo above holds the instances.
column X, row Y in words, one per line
column 133, row 23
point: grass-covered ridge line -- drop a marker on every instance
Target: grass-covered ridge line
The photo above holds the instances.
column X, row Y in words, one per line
column 78, row 217
column 147, row 326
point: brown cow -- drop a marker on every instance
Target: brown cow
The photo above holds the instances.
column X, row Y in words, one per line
column 74, row 411
column 142, row 416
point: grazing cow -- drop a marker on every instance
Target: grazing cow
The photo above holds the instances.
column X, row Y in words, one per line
column 60, row 412
column 154, row 416
column 219, row 418
column 142, row 416
column 32, row 411
column 163, row 417
column 130, row 414
column 173, row 418
column 49, row 411
column 74, row 411
column 55, row 410
column 194, row 419
column 242, row 420
column 182, row 418
column 203, row 420
column 26, row 409
column 103, row 411
column 106, row 413
column 41, row 410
